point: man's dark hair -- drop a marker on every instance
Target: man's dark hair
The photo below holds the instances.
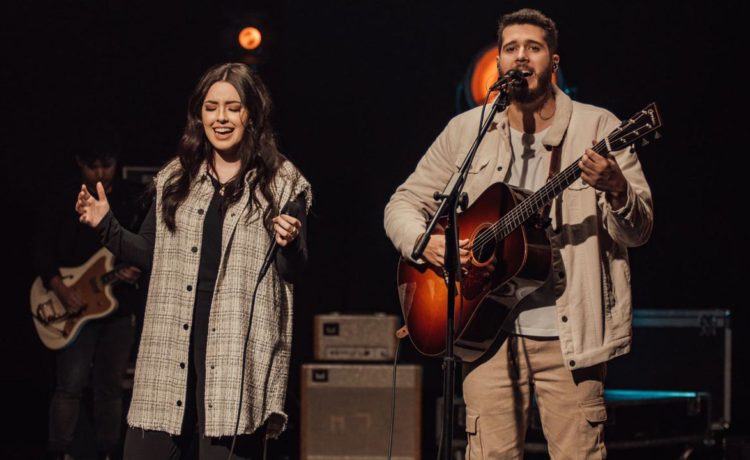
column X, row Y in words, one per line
column 533, row 17
column 99, row 141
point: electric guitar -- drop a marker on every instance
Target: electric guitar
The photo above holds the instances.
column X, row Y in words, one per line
column 58, row 326
column 504, row 231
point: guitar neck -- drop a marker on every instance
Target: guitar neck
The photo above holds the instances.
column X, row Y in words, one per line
column 111, row 276
column 538, row 200
column 544, row 196
column 642, row 124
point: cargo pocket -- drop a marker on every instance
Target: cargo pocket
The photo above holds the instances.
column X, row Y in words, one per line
column 594, row 410
column 473, row 438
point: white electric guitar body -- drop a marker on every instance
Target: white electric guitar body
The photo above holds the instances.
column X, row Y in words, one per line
column 57, row 326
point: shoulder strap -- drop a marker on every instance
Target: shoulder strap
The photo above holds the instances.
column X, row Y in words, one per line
column 554, row 168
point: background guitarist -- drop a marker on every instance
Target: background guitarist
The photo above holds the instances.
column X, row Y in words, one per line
column 567, row 330
column 62, row 241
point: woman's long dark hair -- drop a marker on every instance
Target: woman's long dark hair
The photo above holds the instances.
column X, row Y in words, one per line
column 257, row 150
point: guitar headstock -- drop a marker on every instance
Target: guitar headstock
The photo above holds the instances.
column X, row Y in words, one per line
column 641, row 126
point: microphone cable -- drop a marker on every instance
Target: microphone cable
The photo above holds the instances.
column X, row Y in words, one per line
column 393, row 402
column 270, row 255
column 244, row 357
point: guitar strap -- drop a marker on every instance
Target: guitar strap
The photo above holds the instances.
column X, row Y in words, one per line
column 554, row 168
column 554, row 160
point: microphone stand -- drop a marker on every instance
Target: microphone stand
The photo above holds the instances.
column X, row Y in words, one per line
column 452, row 197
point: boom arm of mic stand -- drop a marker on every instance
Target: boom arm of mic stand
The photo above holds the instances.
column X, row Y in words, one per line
column 456, row 183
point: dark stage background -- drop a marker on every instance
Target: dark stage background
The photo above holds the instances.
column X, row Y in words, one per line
column 361, row 89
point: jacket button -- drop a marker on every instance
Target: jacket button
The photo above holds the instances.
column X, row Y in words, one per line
column 189, row 288
column 194, row 249
column 572, row 363
column 182, row 365
column 179, row 403
column 185, row 326
column 201, row 211
column 212, row 367
column 210, row 406
column 213, row 329
column 564, row 319
column 499, row 168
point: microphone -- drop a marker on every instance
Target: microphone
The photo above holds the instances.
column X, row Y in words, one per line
column 513, row 76
column 293, row 207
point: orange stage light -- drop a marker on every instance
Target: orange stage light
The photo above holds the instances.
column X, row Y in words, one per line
column 250, row 38
column 483, row 74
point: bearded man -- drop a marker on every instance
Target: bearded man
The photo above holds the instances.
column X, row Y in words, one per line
column 561, row 335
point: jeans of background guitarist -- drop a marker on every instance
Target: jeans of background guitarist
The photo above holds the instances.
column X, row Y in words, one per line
column 102, row 350
column 498, row 395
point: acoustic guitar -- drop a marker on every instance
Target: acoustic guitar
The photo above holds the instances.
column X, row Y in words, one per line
column 505, row 231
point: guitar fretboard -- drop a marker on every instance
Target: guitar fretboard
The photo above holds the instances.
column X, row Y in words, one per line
column 643, row 123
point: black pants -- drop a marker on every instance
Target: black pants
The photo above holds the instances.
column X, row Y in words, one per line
column 102, row 348
column 158, row 445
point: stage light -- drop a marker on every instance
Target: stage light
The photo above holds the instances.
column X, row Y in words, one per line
column 482, row 73
column 247, row 36
column 250, row 38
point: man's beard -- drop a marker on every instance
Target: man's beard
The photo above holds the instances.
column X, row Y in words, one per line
column 523, row 95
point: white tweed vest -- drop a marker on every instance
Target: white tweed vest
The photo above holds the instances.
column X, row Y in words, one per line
column 160, row 384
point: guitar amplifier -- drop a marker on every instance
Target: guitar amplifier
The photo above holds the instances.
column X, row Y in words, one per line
column 339, row 337
column 346, row 412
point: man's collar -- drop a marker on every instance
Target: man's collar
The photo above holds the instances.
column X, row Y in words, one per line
column 561, row 119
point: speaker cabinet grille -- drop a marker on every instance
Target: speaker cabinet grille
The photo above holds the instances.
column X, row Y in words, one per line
column 346, row 412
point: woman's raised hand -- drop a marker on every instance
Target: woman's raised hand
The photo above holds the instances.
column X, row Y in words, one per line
column 91, row 210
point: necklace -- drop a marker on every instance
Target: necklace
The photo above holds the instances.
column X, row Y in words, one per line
column 542, row 117
column 221, row 185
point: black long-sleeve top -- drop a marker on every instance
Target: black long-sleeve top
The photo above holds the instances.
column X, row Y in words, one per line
column 138, row 248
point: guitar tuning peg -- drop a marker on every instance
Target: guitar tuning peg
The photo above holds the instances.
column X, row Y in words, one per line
column 657, row 135
column 644, row 142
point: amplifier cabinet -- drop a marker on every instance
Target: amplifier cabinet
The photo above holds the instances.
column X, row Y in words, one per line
column 370, row 337
column 346, row 412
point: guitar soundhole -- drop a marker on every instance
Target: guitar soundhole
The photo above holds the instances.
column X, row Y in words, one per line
column 483, row 246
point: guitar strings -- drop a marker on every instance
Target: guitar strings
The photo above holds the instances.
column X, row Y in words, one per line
column 523, row 211
column 533, row 203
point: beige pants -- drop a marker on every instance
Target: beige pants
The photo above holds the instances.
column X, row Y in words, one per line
column 498, row 395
